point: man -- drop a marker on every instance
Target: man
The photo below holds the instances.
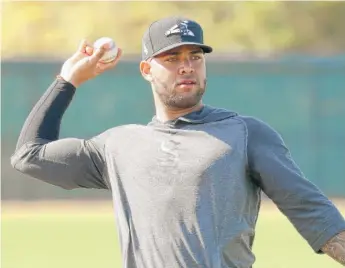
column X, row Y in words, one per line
column 186, row 187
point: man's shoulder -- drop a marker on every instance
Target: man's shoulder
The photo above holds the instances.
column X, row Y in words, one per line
column 251, row 121
column 256, row 126
column 260, row 131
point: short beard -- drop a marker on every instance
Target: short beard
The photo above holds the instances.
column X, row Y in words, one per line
column 170, row 98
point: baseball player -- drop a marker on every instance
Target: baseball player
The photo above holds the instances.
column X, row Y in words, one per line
column 186, row 187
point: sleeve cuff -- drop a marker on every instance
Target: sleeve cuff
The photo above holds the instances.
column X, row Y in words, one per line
column 326, row 235
column 61, row 82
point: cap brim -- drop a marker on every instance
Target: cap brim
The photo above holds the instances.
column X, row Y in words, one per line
column 205, row 48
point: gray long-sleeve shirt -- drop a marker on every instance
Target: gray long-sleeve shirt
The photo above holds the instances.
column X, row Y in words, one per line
column 186, row 192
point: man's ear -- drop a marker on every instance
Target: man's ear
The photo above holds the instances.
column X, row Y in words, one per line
column 145, row 69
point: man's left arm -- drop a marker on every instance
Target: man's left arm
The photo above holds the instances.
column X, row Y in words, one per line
column 335, row 248
column 313, row 215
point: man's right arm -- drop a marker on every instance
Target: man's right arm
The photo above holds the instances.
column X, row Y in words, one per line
column 68, row 163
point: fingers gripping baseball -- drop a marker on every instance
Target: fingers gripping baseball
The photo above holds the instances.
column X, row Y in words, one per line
column 102, row 67
column 85, row 63
column 98, row 54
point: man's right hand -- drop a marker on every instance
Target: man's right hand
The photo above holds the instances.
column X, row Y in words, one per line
column 85, row 65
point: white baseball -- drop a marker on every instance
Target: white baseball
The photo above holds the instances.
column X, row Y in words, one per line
column 111, row 53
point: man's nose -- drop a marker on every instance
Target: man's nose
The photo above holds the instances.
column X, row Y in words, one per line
column 186, row 67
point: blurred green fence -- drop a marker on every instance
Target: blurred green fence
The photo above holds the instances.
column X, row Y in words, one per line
column 303, row 98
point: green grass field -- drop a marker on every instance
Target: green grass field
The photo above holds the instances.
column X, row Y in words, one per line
column 83, row 235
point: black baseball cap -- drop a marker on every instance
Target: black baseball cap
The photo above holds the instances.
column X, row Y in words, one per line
column 168, row 33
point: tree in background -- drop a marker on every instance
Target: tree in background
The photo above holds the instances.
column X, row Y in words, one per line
column 54, row 29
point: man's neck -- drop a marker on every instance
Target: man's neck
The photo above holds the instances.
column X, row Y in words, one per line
column 165, row 114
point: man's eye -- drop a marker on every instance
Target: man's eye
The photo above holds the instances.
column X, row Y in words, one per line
column 171, row 59
column 196, row 57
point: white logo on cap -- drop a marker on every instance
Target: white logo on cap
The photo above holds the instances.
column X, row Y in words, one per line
column 181, row 28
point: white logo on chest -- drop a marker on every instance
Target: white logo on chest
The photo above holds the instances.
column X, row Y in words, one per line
column 170, row 147
column 170, row 158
